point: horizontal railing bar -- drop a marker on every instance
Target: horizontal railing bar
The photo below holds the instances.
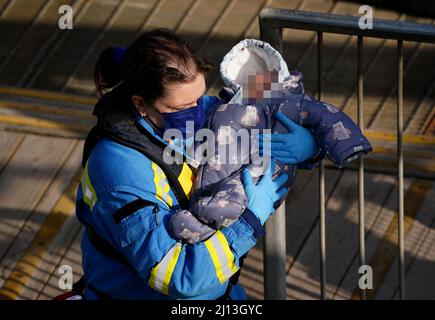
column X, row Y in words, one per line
column 332, row 23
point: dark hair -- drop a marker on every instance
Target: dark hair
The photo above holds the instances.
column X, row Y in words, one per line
column 154, row 59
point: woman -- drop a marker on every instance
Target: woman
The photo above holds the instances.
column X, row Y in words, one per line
column 128, row 192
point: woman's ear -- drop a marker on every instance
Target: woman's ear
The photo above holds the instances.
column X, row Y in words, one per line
column 139, row 104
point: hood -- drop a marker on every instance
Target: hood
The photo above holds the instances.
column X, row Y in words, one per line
column 250, row 56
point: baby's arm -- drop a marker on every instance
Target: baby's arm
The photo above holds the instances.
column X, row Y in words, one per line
column 335, row 132
column 186, row 227
column 210, row 213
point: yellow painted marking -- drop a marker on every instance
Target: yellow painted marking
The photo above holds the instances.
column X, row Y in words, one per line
column 70, row 98
column 426, row 167
column 406, row 153
column 43, row 123
column 47, row 95
column 65, row 111
column 407, row 138
column 34, row 254
column 386, row 251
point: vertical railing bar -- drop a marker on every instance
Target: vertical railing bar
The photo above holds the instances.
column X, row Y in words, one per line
column 274, row 249
column 322, row 210
column 361, row 220
column 400, row 198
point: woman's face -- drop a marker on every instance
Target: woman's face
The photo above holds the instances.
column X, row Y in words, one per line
column 178, row 96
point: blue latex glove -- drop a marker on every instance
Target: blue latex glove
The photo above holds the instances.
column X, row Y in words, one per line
column 265, row 193
column 291, row 148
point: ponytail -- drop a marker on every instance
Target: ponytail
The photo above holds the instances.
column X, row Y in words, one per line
column 107, row 71
column 147, row 65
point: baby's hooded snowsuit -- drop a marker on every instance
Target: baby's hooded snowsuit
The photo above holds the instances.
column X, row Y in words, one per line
column 218, row 198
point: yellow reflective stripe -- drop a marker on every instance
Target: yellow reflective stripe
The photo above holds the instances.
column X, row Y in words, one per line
column 166, row 189
column 161, row 274
column 227, row 251
column 89, row 195
column 186, row 179
column 216, row 261
column 156, row 183
column 301, row 171
column 170, row 269
column 162, row 185
column 152, row 281
column 221, row 255
column 89, row 184
column 85, row 191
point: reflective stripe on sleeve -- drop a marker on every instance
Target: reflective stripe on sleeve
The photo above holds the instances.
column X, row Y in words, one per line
column 221, row 255
column 161, row 274
column 186, row 179
column 89, row 195
column 162, row 185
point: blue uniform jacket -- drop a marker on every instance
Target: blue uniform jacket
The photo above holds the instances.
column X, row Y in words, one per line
column 161, row 267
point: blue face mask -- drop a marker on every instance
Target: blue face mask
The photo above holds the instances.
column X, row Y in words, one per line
column 178, row 120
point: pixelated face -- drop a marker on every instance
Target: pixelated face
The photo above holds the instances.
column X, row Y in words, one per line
column 262, row 87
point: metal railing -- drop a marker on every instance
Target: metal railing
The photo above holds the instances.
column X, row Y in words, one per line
column 272, row 21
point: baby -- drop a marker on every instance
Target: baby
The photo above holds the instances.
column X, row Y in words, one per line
column 258, row 85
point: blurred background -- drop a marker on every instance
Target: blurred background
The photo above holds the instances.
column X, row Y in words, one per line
column 47, row 95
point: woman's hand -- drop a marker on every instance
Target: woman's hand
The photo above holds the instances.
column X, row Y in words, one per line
column 265, row 193
column 294, row 147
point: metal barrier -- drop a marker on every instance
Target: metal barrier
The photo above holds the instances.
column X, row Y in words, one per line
column 272, row 21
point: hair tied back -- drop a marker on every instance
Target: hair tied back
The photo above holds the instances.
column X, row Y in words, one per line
column 119, row 55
